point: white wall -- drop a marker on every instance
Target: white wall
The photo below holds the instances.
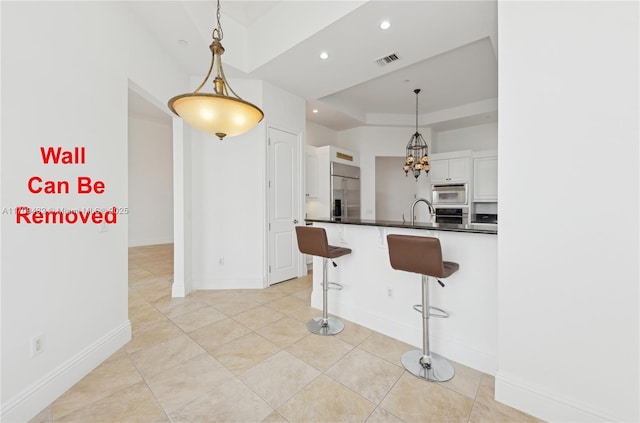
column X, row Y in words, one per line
column 568, row 285
column 478, row 137
column 318, row 135
column 371, row 142
column 150, row 182
column 394, row 194
column 229, row 196
column 68, row 282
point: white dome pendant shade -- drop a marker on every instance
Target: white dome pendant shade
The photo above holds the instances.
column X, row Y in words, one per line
column 216, row 113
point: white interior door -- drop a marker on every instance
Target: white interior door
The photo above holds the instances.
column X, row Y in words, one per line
column 284, row 199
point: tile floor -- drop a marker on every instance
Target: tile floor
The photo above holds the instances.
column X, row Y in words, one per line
column 246, row 356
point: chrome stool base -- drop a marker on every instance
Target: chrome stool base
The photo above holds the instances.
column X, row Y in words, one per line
column 441, row 370
column 333, row 326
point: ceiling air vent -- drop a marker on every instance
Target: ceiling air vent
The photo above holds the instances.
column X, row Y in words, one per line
column 387, row 59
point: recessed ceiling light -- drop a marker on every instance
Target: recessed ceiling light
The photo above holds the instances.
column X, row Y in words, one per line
column 385, row 25
column 315, row 110
column 324, row 55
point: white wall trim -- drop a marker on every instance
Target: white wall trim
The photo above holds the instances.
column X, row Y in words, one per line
column 30, row 401
column 546, row 404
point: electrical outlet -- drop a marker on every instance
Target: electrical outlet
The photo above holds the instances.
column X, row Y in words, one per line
column 37, row 345
column 389, row 292
column 221, row 261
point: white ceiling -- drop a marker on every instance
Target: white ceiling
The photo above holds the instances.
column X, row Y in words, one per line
column 445, row 48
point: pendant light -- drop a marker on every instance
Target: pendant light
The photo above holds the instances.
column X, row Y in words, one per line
column 216, row 113
column 417, row 152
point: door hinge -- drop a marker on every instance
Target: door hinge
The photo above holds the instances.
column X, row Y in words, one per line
column 269, row 184
column 269, row 226
column 269, row 140
column 269, row 268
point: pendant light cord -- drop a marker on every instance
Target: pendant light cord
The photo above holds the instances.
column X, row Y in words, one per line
column 218, row 30
column 417, row 91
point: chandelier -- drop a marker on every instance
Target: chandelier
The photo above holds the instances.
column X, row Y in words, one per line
column 216, row 113
column 417, row 152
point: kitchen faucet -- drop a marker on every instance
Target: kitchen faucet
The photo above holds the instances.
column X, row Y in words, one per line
column 432, row 211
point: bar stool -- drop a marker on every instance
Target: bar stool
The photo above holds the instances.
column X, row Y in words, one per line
column 313, row 241
column 423, row 255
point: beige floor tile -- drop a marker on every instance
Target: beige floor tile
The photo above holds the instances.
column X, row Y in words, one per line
column 44, row 416
column 230, row 401
column 233, row 306
column 284, row 332
column 160, row 290
column 380, row 415
column 144, row 316
column 319, row 351
column 133, row 404
column 161, row 299
column 293, row 285
column 185, row 382
column 279, row 377
column 198, row 318
column 305, row 314
column 385, row 347
column 212, row 297
column 487, row 410
column 304, row 295
column 325, row 400
column 153, row 334
column 138, row 274
column 413, row 399
column 163, row 356
column 245, row 352
column 368, row 375
column 262, row 296
column 353, row 333
column 219, row 333
column 151, row 285
column 465, row 380
column 109, row 377
column 275, row 417
column 176, row 306
column 288, row 304
column 258, row 317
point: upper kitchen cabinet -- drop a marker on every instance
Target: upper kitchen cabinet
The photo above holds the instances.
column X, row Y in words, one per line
column 485, row 176
column 312, row 164
column 448, row 168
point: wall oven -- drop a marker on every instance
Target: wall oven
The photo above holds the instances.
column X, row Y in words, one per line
column 450, row 195
column 452, row 215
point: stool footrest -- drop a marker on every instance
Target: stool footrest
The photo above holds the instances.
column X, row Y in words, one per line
column 440, row 312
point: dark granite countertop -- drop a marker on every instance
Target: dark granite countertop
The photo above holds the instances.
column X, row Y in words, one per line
column 477, row 228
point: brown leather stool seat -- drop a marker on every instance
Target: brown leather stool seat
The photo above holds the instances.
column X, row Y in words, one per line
column 313, row 241
column 423, row 255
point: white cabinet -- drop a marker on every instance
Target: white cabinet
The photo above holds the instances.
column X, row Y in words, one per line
column 312, row 165
column 485, row 175
column 450, row 170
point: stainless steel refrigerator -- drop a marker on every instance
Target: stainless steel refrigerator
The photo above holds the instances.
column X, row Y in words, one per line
column 345, row 191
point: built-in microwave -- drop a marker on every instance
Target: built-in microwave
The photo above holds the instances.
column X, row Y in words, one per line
column 452, row 215
column 450, row 195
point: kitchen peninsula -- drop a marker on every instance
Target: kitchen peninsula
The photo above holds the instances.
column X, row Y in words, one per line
column 378, row 297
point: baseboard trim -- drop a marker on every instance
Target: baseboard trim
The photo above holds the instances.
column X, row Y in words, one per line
column 33, row 399
column 546, row 404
